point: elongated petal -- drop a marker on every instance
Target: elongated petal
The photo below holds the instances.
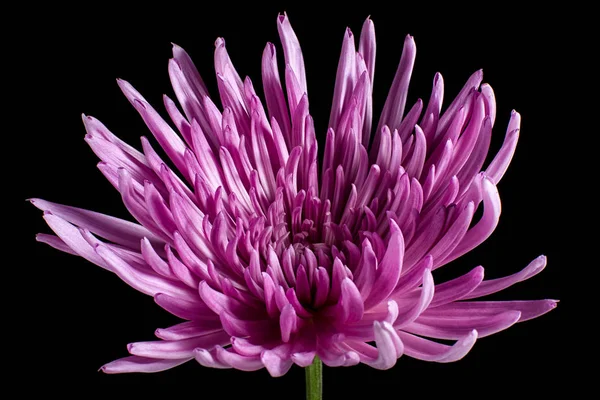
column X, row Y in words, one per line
column 458, row 288
column 73, row 238
column 168, row 139
column 189, row 329
column 393, row 110
column 529, row 309
column 486, row 225
column 140, row 364
column 499, row 164
column 496, row 285
column 426, row 350
column 146, row 281
column 418, row 307
column 114, row 229
column 345, row 79
column 456, row 328
column 389, row 347
column 183, row 308
column 291, row 50
column 351, row 303
column 177, row 349
column 54, row 241
column 390, row 268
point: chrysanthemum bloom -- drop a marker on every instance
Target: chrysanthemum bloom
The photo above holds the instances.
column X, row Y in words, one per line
column 273, row 258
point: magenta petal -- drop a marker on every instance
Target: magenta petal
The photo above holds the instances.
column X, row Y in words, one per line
column 259, row 329
column 351, row 303
column 288, row 322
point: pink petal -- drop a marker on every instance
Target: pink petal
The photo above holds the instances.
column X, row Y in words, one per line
column 389, row 269
column 458, row 288
column 146, row 281
column 276, row 365
column 177, row 349
column 456, row 328
column 184, row 308
column 189, row 329
column 486, row 225
column 495, row 285
column 114, row 229
column 345, row 79
column 291, row 50
column 427, row 350
column 351, row 303
column 529, row 309
column 412, row 313
column 499, row 164
column 140, row 364
column 276, row 103
column 54, row 241
column 393, row 110
column 72, row 237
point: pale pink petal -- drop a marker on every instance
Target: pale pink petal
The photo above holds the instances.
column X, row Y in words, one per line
column 456, row 328
column 140, row 364
column 114, row 229
column 177, row 349
column 54, row 241
column 393, row 110
column 291, row 50
column 423, row 349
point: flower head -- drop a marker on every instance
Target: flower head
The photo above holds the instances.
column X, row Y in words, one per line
column 273, row 258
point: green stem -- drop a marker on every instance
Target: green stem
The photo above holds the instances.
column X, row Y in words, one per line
column 314, row 380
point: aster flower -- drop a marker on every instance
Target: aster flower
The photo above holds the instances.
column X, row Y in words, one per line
column 273, row 258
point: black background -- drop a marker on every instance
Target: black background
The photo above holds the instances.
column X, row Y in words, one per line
column 72, row 317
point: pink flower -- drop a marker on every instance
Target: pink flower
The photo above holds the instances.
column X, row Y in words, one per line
column 273, row 258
